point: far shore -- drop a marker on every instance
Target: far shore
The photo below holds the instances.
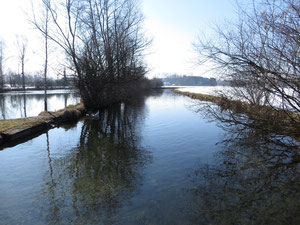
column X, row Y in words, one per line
column 37, row 88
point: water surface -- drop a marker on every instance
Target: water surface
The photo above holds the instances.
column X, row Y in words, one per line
column 152, row 160
column 19, row 104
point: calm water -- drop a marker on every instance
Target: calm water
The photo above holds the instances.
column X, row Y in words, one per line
column 151, row 161
column 31, row 103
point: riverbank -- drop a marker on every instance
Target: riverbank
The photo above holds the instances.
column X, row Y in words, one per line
column 263, row 117
column 15, row 130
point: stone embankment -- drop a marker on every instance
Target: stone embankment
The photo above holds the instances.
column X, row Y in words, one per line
column 15, row 130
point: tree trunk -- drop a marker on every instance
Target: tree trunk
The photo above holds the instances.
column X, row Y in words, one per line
column 23, row 75
column 46, row 62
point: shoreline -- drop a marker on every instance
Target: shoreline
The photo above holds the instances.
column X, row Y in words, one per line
column 270, row 119
column 15, row 131
column 8, row 90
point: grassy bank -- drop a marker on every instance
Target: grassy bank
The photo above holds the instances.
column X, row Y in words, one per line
column 223, row 102
column 263, row 117
column 23, row 128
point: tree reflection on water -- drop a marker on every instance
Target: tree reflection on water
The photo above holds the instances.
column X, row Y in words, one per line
column 255, row 180
column 91, row 183
column 22, row 104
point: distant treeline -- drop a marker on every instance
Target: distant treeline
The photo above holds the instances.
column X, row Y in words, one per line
column 14, row 81
column 189, row 81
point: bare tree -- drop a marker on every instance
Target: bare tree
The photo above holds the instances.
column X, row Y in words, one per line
column 104, row 43
column 260, row 54
column 42, row 20
column 1, row 65
column 22, row 47
column 46, row 20
column 65, row 80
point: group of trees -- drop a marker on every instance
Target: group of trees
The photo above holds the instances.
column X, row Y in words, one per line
column 260, row 54
column 15, row 80
column 190, row 80
column 104, row 44
column 1, row 66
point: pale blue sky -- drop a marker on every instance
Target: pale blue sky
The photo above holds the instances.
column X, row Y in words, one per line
column 173, row 25
column 187, row 14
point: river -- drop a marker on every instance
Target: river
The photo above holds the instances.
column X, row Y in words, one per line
column 19, row 104
column 157, row 159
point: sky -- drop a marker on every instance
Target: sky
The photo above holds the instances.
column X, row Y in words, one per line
column 172, row 24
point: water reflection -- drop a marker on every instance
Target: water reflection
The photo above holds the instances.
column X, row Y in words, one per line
column 255, row 180
column 98, row 172
column 24, row 105
column 90, row 183
column 31, row 103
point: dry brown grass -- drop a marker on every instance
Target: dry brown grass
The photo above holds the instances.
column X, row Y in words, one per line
column 6, row 125
column 284, row 122
column 43, row 117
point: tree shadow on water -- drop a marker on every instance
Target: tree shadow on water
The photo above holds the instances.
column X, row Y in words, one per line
column 254, row 180
column 93, row 181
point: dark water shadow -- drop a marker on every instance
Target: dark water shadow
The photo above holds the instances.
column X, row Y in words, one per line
column 255, row 179
column 91, row 183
